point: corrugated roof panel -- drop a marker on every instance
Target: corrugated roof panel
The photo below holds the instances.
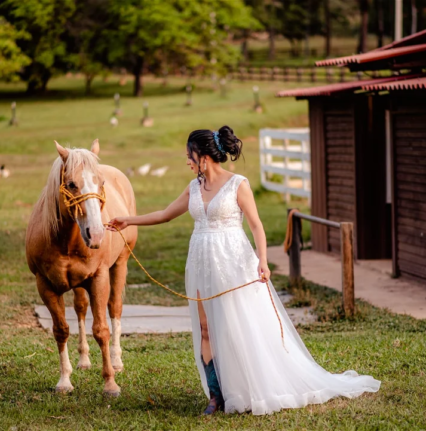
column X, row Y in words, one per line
column 327, row 90
column 412, row 39
column 407, row 84
column 372, row 56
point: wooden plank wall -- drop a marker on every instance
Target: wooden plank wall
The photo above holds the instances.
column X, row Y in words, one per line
column 319, row 234
column 340, row 167
column 409, row 142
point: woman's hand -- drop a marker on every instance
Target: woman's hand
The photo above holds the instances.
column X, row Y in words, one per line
column 263, row 271
column 119, row 222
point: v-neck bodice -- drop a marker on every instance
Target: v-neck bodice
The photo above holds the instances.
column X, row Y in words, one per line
column 222, row 210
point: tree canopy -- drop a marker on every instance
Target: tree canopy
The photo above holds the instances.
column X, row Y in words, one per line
column 42, row 38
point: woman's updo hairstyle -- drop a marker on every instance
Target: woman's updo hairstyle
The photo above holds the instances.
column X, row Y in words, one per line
column 216, row 144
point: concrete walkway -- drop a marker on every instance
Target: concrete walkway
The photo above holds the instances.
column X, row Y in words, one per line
column 373, row 282
column 144, row 319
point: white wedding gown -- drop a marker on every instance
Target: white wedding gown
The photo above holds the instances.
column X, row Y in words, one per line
column 255, row 372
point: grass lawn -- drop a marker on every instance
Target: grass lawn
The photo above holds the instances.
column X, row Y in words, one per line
column 160, row 384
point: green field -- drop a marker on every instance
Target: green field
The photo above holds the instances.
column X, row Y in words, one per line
column 160, row 384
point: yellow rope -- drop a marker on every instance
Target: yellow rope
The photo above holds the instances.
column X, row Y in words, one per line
column 199, row 299
column 70, row 200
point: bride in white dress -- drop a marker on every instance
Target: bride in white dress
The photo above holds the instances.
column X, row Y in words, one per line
column 237, row 341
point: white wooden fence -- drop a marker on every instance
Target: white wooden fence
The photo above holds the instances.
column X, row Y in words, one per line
column 293, row 164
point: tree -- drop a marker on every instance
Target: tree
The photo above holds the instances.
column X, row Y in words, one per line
column 327, row 22
column 87, row 38
column 183, row 32
column 45, row 21
column 363, row 31
column 12, row 59
column 294, row 18
column 258, row 10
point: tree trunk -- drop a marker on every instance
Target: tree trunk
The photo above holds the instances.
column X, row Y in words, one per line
column 413, row 17
column 363, row 8
column 308, row 29
column 45, row 79
column 31, row 86
column 271, row 55
column 420, row 15
column 380, row 23
column 89, row 79
column 327, row 28
column 244, row 46
column 137, row 73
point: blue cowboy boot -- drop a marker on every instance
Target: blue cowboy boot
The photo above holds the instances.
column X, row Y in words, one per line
column 217, row 403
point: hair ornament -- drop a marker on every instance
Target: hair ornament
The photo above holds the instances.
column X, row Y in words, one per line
column 217, row 142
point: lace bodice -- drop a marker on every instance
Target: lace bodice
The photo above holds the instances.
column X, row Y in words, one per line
column 222, row 211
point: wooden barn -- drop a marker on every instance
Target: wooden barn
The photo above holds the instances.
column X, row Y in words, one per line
column 368, row 155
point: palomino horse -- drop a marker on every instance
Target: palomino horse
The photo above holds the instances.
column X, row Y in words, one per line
column 68, row 248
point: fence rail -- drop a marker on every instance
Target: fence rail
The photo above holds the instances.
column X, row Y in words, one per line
column 294, row 166
column 346, row 252
column 296, row 74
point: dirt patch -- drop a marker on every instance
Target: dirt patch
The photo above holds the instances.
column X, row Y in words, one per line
column 21, row 317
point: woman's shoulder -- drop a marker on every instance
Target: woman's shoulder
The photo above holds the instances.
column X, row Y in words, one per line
column 240, row 178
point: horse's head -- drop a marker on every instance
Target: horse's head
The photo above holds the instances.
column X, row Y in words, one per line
column 82, row 192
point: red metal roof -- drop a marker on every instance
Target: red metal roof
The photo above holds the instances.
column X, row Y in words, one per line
column 406, row 84
column 372, row 56
column 327, row 90
column 413, row 39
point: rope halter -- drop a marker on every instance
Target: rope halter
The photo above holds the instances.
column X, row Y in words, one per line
column 71, row 201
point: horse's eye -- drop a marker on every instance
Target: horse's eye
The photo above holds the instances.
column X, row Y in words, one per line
column 72, row 185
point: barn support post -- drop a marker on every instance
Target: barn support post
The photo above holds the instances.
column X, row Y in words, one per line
column 347, row 256
column 295, row 252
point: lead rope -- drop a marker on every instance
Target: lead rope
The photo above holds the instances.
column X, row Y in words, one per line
column 74, row 201
column 201, row 299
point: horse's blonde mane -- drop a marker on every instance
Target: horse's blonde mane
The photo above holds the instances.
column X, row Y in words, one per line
column 52, row 217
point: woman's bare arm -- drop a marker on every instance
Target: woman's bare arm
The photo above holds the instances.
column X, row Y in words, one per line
column 247, row 204
column 175, row 209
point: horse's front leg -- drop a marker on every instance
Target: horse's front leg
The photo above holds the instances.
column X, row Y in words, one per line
column 99, row 294
column 56, row 306
column 81, row 302
column 118, row 274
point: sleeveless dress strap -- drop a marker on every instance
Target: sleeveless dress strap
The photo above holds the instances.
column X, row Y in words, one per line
column 238, row 180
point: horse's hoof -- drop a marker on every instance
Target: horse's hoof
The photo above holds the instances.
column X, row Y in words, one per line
column 84, row 366
column 64, row 389
column 112, row 394
column 118, row 368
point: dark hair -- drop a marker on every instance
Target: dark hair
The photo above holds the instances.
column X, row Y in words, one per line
column 202, row 143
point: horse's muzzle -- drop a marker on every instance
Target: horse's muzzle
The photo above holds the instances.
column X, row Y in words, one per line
column 93, row 237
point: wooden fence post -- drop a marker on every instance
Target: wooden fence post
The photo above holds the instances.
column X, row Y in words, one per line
column 294, row 252
column 347, row 254
column 299, row 72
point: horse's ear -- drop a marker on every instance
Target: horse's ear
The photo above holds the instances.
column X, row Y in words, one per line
column 63, row 152
column 95, row 147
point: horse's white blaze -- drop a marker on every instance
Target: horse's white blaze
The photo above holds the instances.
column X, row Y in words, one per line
column 64, row 383
column 115, row 349
column 93, row 218
column 83, row 346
